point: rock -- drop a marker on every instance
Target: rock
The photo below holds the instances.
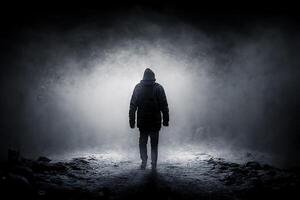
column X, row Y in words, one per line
column 92, row 158
column 23, row 171
column 233, row 165
column 72, row 175
column 211, row 161
column 229, row 180
column 80, row 160
column 59, row 167
column 74, row 167
column 79, row 164
column 43, row 159
column 42, row 167
column 253, row 165
column 223, row 167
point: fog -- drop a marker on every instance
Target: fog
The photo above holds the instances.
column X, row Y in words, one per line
column 226, row 90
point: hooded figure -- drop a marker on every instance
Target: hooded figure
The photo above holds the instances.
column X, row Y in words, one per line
column 150, row 102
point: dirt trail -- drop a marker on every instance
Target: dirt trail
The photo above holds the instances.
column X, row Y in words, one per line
column 99, row 177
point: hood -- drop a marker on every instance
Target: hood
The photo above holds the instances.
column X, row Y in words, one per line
column 149, row 75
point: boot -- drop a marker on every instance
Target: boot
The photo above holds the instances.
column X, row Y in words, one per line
column 153, row 167
column 143, row 165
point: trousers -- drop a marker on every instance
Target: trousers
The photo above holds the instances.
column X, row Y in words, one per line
column 143, row 140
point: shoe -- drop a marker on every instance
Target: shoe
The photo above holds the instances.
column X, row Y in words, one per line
column 153, row 167
column 143, row 165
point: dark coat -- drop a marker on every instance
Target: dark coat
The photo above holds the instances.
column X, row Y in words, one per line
column 149, row 99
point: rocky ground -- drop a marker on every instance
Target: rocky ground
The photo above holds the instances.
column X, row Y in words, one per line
column 101, row 177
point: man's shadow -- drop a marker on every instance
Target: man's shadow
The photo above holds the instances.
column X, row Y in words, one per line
column 152, row 186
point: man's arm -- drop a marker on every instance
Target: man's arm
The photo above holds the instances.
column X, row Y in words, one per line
column 133, row 107
column 163, row 104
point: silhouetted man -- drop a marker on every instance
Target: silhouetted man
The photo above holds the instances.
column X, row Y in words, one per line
column 149, row 99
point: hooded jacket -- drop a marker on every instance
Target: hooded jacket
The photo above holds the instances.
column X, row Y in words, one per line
column 149, row 100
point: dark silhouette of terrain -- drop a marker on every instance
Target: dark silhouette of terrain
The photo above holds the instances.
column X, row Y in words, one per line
column 91, row 177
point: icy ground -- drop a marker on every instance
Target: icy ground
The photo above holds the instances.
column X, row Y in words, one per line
column 193, row 175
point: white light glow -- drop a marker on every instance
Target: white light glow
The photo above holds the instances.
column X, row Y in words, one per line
column 97, row 100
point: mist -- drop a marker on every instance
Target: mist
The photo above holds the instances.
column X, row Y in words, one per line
column 69, row 90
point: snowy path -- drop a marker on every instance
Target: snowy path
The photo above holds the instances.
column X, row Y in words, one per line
column 201, row 176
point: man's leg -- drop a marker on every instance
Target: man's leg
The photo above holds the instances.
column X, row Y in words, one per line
column 154, row 148
column 143, row 148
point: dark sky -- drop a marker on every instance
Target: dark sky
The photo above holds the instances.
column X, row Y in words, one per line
column 251, row 56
